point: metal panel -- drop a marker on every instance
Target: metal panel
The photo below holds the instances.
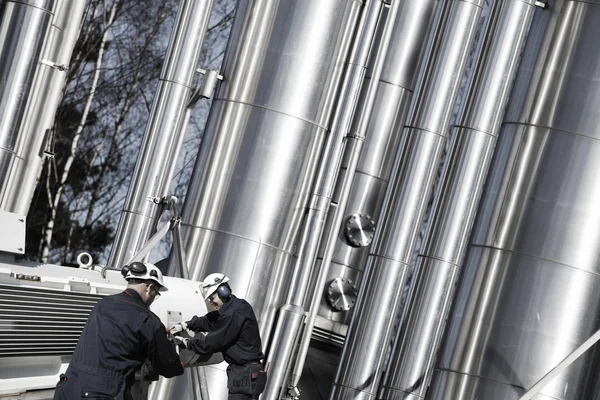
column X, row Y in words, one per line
column 38, row 322
column 12, row 236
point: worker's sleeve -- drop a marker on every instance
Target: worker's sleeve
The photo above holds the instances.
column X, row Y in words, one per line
column 203, row 324
column 161, row 352
column 225, row 332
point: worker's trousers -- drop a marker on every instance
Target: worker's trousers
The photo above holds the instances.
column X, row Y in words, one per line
column 243, row 381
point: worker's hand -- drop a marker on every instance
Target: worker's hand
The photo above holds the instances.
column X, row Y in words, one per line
column 182, row 342
column 177, row 328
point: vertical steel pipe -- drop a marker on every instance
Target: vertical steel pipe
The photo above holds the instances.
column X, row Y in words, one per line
column 361, row 186
column 455, row 204
column 164, row 132
column 285, row 338
column 256, row 169
column 370, row 330
column 529, row 293
column 46, row 94
column 22, row 34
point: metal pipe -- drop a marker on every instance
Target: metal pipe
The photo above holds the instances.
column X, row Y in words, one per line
column 288, row 328
column 370, row 330
column 22, row 34
column 530, row 279
column 455, row 205
column 164, row 132
column 46, row 94
column 394, row 91
column 265, row 134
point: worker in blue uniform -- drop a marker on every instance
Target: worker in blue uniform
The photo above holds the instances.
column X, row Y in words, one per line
column 231, row 329
column 120, row 336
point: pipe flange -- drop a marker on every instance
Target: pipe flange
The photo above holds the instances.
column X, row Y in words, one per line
column 341, row 294
column 359, row 230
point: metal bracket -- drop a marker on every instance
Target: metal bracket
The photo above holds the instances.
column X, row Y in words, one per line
column 355, row 136
column 173, row 224
column 293, row 393
column 207, row 87
column 51, row 64
column 540, row 4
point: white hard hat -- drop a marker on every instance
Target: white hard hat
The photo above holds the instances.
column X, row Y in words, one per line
column 144, row 272
column 212, row 282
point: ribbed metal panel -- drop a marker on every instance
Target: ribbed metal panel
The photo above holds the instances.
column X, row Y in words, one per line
column 39, row 322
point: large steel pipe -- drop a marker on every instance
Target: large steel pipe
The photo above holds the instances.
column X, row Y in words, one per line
column 22, row 33
column 46, row 94
column 455, row 204
column 364, row 175
column 370, row 330
column 290, row 323
column 257, row 165
column 164, row 132
column 530, row 293
column 344, row 254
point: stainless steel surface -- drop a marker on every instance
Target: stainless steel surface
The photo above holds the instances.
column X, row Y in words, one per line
column 529, row 292
column 283, row 347
column 370, row 331
column 560, row 367
column 46, row 94
column 164, row 132
column 359, row 230
column 257, row 165
column 341, row 294
column 455, row 204
column 22, row 33
column 371, row 176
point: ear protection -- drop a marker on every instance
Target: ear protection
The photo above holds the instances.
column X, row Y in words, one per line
column 224, row 292
column 136, row 268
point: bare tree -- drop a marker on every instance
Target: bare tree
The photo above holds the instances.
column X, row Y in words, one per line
column 99, row 126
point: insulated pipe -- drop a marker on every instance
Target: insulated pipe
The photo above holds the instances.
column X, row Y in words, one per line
column 373, row 168
column 164, row 132
column 455, row 205
column 265, row 134
column 46, row 94
column 529, row 290
column 22, row 34
column 370, row 330
column 285, row 339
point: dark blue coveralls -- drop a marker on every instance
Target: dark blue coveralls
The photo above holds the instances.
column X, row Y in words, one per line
column 233, row 331
column 120, row 335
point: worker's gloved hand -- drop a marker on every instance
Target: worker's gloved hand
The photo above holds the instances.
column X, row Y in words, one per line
column 177, row 328
column 182, row 342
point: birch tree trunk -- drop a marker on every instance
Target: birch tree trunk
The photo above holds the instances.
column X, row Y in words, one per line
column 55, row 197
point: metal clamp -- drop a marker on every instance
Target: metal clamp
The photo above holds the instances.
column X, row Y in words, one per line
column 51, row 64
column 540, row 4
column 206, row 89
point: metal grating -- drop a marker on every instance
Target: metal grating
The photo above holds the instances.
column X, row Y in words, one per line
column 39, row 322
column 326, row 336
